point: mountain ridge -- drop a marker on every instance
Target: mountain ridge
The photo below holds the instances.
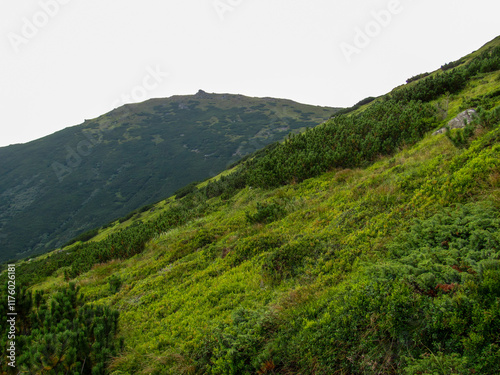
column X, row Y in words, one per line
column 167, row 143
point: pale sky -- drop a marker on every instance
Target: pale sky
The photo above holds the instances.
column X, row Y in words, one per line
column 63, row 61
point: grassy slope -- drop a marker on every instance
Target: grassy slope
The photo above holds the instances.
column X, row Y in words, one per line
column 347, row 217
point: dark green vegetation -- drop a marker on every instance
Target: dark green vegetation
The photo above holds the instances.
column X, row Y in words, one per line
column 452, row 81
column 60, row 336
column 417, row 77
column 83, row 177
column 355, row 107
column 362, row 246
column 345, row 142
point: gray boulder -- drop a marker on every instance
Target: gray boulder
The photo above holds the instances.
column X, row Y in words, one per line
column 459, row 122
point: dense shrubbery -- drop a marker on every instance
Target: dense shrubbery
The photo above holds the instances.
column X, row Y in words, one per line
column 132, row 214
column 356, row 106
column 344, row 142
column 417, row 77
column 60, row 336
column 357, row 140
column 127, row 217
column 188, row 189
column 450, row 81
column 434, row 302
column 226, row 186
column 433, row 87
column 83, row 237
column 234, row 348
column 451, row 65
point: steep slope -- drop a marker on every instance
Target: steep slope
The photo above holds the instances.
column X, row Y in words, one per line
column 85, row 176
column 387, row 265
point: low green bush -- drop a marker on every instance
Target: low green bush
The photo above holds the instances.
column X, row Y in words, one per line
column 266, row 213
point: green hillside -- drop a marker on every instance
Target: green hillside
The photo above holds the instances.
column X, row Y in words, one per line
column 366, row 245
column 85, row 176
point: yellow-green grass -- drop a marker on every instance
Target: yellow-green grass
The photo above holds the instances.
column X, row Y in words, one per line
column 167, row 307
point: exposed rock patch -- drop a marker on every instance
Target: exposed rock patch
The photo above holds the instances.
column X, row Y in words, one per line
column 459, row 122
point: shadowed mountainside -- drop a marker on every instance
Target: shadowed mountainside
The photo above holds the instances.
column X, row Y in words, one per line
column 82, row 177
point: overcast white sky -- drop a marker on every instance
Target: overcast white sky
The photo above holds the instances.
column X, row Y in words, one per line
column 63, row 61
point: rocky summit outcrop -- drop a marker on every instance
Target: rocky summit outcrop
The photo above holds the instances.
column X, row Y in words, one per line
column 458, row 122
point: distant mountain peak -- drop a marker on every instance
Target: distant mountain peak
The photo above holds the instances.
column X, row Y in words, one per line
column 202, row 94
